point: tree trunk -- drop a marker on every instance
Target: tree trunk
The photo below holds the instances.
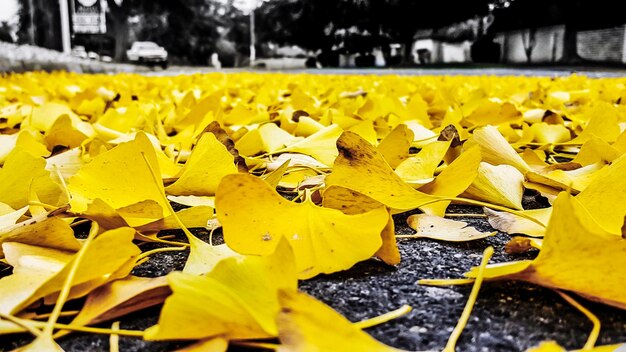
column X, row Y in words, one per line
column 570, row 52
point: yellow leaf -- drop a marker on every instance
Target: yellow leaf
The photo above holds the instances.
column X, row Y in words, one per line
column 320, row 145
column 255, row 218
column 22, row 171
column 438, row 228
column 48, row 232
column 305, row 324
column 511, row 223
column 596, row 150
column 602, row 123
column 121, row 178
column 196, row 216
column 238, row 299
column 360, row 167
column 395, row 146
column 549, row 134
column 604, row 197
column 44, row 116
column 496, row 150
column 208, row 163
column 420, row 169
column 64, row 133
column 501, row 185
column 576, row 255
column 122, row 297
column 40, row 272
column 268, row 138
column 449, row 184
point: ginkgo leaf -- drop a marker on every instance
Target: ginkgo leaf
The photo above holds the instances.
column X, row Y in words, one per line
column 268, row 138
column 549, row 134
column 438, row 228
column 596, row 150
column 23, row 171
column 604, row 196
column 203, row 257
column 496, row 150
column 501, row 185
column 64, row 133
column 512, row 224
column 320, row 145
column 306, row 324
column 122, row 297
column 40, row 272
column 360, row 167
column 216, row 344
column 420, row 169
column 238, row 299
column 602, row 121
column 208, row 163
column 48, row 232
column 196, row 216
column 9, row 218
column 449, row 184
column 223, row 137
column 395, row 146
column 121, row 178
column 575, row 256
column 255, row 218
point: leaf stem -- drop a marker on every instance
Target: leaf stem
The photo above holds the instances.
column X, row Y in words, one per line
column 595, row 331
column 160, row 250
column 471, row 301
column 67, row 284
column 383, row 318
column 21, row 323
column 486, row 205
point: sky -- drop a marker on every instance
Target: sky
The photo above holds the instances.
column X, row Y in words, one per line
column 8, row 10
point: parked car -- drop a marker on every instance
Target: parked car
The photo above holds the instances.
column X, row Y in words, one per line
column 79, row 51
column 147, row 53
column 93, row 55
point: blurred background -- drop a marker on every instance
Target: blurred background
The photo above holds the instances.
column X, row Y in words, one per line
column 124, row 35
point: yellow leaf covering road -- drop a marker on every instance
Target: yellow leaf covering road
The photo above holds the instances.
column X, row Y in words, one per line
column 302, row 174
column 255, row 218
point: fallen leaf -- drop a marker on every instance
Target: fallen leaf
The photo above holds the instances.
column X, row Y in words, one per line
column 574, row 256
column 438, row 228
column 208, row 163
column 255, row 218
column 238, row 299
column 305, row 324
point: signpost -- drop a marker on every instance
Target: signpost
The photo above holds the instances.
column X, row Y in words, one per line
column 88, row 16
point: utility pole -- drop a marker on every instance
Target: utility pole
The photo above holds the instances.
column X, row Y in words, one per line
column 31, row 18
column 65, row 26
column 252, row 37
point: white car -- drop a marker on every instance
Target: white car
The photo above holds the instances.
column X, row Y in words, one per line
column 147, row 53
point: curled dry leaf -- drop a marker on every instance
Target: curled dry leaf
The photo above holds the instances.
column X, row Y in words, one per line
column 438, row 228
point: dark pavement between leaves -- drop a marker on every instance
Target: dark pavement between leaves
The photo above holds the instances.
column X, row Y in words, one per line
column 508, row 316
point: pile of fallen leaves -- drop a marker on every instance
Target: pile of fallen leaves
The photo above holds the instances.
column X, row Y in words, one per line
column 300, row 174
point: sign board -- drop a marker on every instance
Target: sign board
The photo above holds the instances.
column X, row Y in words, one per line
column 88, row 16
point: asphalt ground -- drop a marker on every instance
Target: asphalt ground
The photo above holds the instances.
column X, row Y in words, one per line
column 508, row 316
